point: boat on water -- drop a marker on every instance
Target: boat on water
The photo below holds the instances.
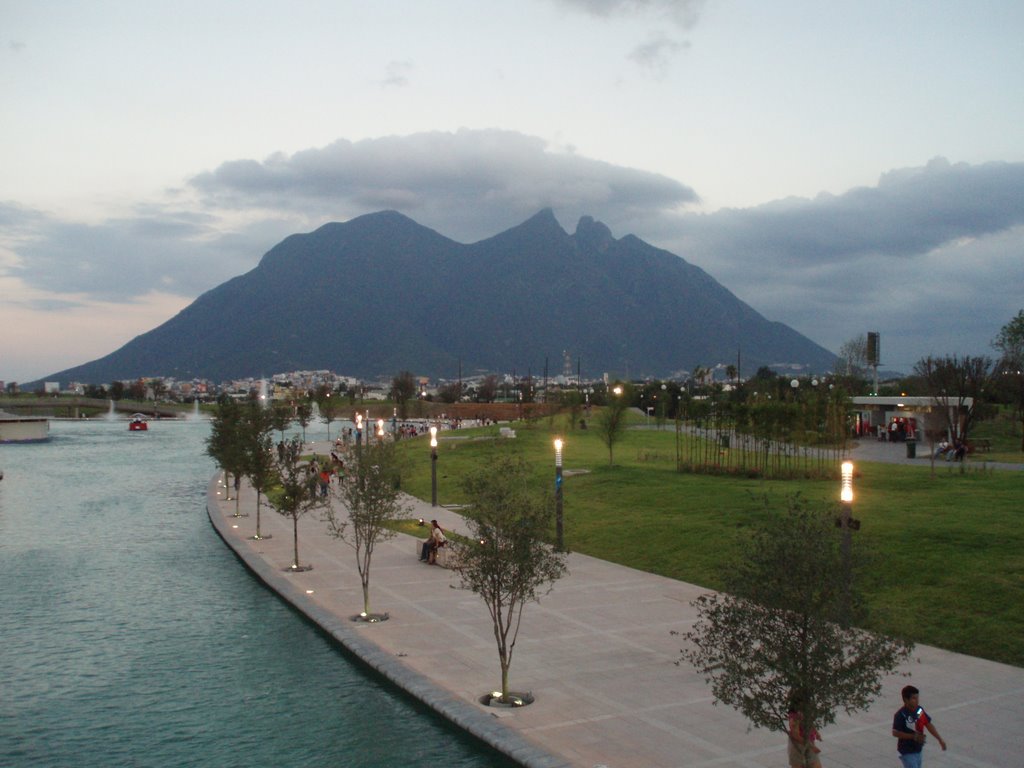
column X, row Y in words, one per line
column 138, row 423
column 20, row 429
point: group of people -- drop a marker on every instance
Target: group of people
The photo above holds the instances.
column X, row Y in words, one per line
column 437, row 539
column 908, row 727
column 954, row 451
column 321, row 474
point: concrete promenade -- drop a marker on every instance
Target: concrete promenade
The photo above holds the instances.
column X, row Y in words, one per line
column 598, row 655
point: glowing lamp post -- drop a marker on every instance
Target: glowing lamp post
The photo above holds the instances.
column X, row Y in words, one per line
column 559, row 531
column 846, row 490
column 359, row 430
column 380, row 430
column 433, row 466
column 846, row 521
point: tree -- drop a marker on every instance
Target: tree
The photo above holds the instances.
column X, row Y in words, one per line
column 852, row 360
column 330, row 407
column 226, row 444
column 137, row 390
column 304, row 415
column 260, row 466
column 611, row 420
column 1010, row 340
column 573, row 401
column 403, row 389
column 488, row 389
column 450, row 392
column 280, row 417
column 296, row 495
column 371, row 495
column 159, row 388
column 771, row 640
column 1010, row 368
column 957, row 385
column 507, row 562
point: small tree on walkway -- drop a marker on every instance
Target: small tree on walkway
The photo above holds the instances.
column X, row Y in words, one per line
column 787, row 630
column 296, row 495
column 507, row 562
column 226, row 444
column 370, row 492
column 260, row 467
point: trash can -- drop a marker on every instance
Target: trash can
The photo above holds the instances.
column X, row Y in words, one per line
column 911, row 448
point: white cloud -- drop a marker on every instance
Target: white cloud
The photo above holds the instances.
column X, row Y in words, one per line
column 684, row 13
column 469, row 184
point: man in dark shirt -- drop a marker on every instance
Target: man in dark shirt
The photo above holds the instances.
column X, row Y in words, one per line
column 908, row 726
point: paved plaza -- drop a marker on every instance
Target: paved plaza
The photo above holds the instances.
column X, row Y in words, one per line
column 598, row 655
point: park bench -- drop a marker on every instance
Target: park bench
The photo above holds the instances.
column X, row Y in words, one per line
column 441, row 557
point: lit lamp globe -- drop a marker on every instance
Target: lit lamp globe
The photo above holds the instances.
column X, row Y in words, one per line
column 846, row 489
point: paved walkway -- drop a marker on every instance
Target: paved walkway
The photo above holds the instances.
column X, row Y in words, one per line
column 598, row 655
column 870, row 449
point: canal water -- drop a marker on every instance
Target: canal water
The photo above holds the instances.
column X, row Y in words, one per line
column 131, row 636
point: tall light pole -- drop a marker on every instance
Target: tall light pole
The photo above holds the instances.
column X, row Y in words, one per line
column 559, row 532
column 359, row 431
column 846, row 520
column 433, row 466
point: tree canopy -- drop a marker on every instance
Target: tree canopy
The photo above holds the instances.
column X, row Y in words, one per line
column 370, row 492
column 786, row 631
column 507, row 561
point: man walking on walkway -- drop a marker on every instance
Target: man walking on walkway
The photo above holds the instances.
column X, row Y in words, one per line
column 908, row 726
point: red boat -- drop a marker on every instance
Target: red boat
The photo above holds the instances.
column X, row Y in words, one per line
column 138, row 423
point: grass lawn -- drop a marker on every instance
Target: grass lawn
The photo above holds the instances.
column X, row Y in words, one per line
column 947, row 551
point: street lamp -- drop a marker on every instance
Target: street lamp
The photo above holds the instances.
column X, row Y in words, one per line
column 433, row 466
column 559, row 533
column 380, row 430
column 846, row 520
column 359, row 430
column 846, row 489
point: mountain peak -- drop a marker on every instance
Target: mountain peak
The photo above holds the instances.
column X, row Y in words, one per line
column 593, row 235
column 543, row 221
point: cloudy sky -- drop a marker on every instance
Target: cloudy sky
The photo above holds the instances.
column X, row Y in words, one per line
column 840, row 166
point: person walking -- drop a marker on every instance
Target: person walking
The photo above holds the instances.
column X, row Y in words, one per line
column 802, row 750
column 908, row 726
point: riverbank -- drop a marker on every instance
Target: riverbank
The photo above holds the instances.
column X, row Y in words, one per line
column 597, row 654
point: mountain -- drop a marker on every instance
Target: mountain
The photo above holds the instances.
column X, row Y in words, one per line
column 381, row 294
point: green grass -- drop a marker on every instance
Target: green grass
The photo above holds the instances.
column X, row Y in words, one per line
column 1003, row 429
column 947, row 551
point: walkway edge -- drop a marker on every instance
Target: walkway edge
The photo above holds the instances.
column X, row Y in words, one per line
column 484, row 727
